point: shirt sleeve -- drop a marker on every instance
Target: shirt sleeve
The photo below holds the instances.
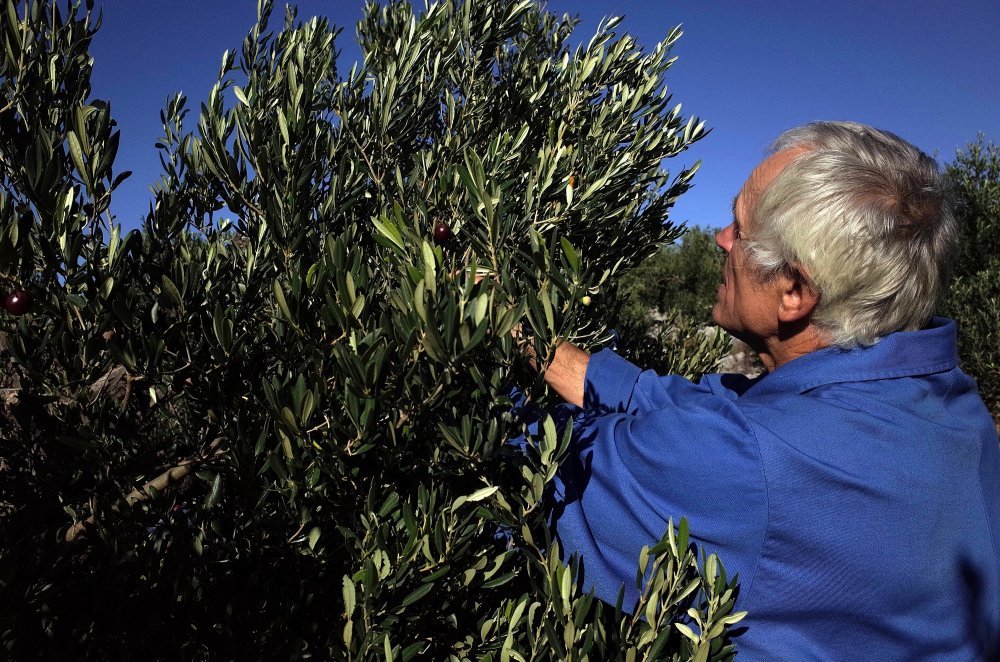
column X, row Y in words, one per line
column 609, row 382
column 613, row 384
column 648, row 449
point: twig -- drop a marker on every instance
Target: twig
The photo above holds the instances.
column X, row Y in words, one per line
column 159, row 484
column 361, row 150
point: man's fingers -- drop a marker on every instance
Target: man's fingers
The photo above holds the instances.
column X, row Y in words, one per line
column 483, row 273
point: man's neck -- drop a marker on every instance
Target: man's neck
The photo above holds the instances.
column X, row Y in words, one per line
column 777, row 351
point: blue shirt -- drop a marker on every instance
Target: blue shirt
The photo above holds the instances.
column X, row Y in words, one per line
column 856, row 492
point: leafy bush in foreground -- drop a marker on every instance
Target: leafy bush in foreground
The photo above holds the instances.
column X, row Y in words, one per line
column 273, row 422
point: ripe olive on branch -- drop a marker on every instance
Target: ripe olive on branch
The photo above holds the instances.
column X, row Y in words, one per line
column 442, row 232
column 17, row 302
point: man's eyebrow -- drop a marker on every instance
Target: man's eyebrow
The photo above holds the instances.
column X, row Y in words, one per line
column 735, row 197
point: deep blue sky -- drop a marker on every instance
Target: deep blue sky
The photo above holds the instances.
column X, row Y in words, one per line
column 927, row 70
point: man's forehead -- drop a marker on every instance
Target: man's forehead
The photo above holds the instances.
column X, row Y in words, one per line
column 763, row 175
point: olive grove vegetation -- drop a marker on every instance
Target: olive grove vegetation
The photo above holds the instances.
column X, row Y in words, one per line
column 680, row 279
column 974, row 297
column 273, row 423
column 665, row 322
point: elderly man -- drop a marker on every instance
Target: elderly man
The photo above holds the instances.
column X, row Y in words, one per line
column 855, row 487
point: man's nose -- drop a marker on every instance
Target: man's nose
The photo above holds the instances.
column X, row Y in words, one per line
column 724, row 238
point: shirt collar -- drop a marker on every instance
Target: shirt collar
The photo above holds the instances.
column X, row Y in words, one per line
column 901, row 354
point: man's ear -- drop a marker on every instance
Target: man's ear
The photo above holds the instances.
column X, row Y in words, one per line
column 799, row 297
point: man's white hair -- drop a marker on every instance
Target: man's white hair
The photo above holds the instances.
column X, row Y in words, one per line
column 865, row 216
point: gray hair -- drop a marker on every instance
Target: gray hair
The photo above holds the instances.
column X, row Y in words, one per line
column 866, row 217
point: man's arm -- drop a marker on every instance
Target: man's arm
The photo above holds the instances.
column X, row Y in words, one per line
column 567, row 373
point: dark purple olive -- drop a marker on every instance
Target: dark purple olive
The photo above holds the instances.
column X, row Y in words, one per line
column 442, row 232
column 17, row 302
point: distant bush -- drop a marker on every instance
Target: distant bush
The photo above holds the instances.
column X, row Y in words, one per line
column 974, row 302
column 681, row 280
column 974, row 297
column 667, row 305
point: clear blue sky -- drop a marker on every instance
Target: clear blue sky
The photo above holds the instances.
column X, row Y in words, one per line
column 929, row 71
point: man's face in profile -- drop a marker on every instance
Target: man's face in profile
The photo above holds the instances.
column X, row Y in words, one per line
column 746, row 306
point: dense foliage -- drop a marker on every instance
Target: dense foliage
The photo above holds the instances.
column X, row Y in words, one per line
column 665, row 322
column 680, row 279
column 974, row 297
column 274, row 422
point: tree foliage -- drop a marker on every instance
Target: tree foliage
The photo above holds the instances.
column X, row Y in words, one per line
column 274, row 422
column 680, row 279
column 974, row 296
column 665, row 322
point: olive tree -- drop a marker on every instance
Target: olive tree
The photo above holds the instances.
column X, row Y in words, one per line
column 275, row 421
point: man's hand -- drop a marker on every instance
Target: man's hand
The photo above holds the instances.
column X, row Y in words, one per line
column 567, row 373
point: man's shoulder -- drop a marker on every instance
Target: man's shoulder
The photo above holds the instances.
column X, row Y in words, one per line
column 729, row 384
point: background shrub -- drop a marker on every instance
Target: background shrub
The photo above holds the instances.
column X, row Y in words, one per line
column 974, row 297
column 665, row 322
